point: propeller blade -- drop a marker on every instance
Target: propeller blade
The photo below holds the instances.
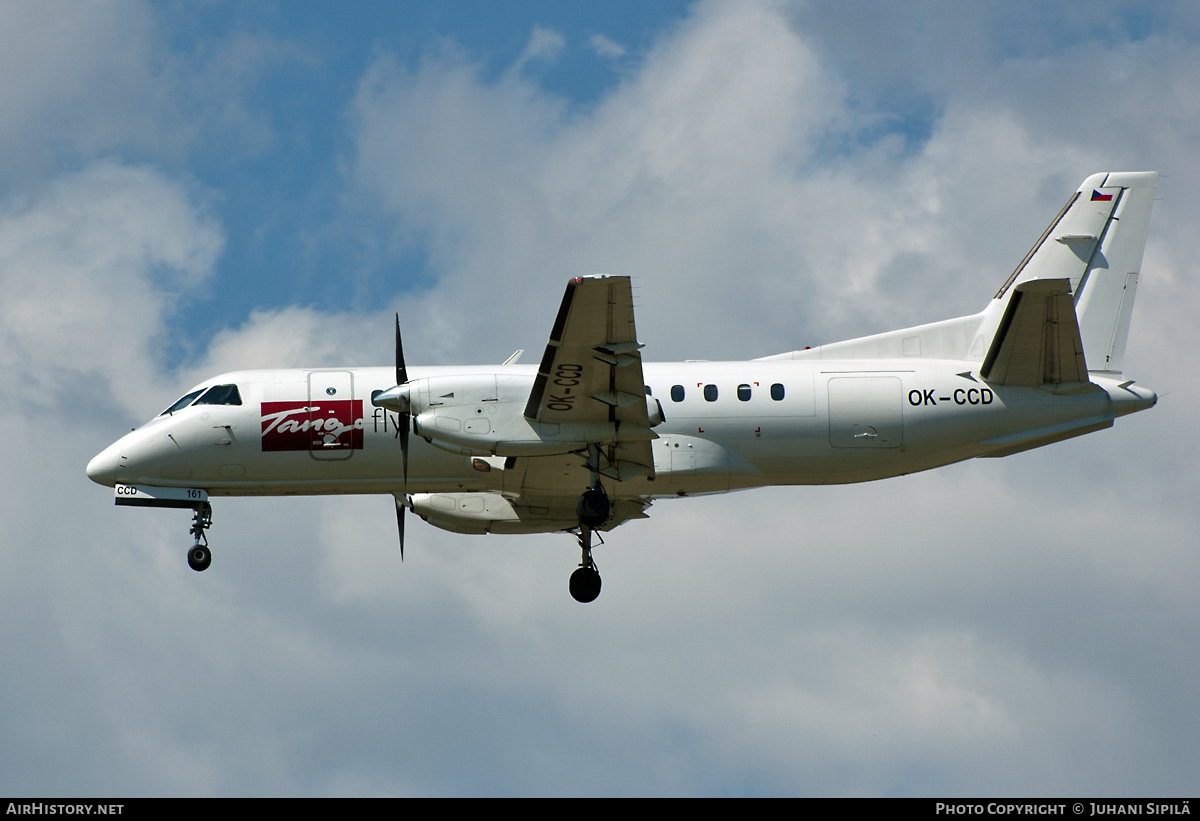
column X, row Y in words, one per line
column 401, row 369
column 400, row 524
column 402, row 378
column 405, row 424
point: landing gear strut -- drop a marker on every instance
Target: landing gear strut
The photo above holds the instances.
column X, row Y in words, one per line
column 585, row 581
column 593, row 506
column 592, row 509
column 199, row 556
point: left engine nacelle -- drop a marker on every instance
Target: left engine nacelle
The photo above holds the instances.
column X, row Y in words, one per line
column 487, row 513
column 483, row 415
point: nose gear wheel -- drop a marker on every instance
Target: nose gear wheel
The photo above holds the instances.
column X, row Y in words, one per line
column 199, row 556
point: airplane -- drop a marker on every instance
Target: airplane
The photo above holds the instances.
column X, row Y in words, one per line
column 592, row 436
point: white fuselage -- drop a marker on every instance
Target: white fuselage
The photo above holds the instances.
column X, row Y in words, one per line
column 830, row 422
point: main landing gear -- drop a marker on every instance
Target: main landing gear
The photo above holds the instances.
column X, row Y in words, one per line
column 593, row 509
column 199, row 556
column 585, row 581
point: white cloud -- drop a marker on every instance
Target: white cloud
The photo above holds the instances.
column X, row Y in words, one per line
column 90, row 269
column 606, row 47
column 76, row 73
column 504, row 188
column 83, row 80
column 544, row 45
column 299, row 337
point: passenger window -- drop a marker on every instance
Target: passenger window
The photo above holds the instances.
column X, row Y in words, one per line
column 182, row 403
column 710, row 393
column 777, row 392
column 677, row 393
column 221, row 395
column 744, row 393
column 648, row 391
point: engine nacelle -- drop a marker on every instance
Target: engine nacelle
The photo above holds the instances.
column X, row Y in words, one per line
column 484, row 415
column 488, row 513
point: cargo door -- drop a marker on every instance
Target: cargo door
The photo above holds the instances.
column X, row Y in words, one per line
column 866, row 412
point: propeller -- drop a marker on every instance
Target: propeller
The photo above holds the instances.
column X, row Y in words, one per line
column 397, row 399
column 405, row 415
column 402, row 379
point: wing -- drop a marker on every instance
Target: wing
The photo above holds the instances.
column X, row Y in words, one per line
column 591, row 373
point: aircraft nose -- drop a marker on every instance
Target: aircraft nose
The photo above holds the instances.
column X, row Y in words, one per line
column 105, row 467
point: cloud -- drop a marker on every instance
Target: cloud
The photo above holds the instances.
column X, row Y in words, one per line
column 500, row 183
column 545, row 45
column 83, row 81
column 91, row 268
column 78, row 75
column 291, row 336
column 733, row 176
column 606, row 47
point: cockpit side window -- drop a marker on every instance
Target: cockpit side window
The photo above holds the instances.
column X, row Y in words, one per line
column 221, row 395
column 182, row 403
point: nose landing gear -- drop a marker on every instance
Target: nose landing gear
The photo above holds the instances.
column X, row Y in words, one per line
column 199, row 556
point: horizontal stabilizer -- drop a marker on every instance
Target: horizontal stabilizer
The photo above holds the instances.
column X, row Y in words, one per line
column 1037, row 342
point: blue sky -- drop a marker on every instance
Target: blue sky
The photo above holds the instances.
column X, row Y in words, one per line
column 278, row 176
column 193, row 188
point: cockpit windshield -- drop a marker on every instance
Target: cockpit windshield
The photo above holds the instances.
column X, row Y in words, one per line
column 183, row 402
column 221, row 395
column 216, row 395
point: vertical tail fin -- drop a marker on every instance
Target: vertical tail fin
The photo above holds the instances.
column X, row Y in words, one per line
column 1096, row 244
column 1104, row 296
